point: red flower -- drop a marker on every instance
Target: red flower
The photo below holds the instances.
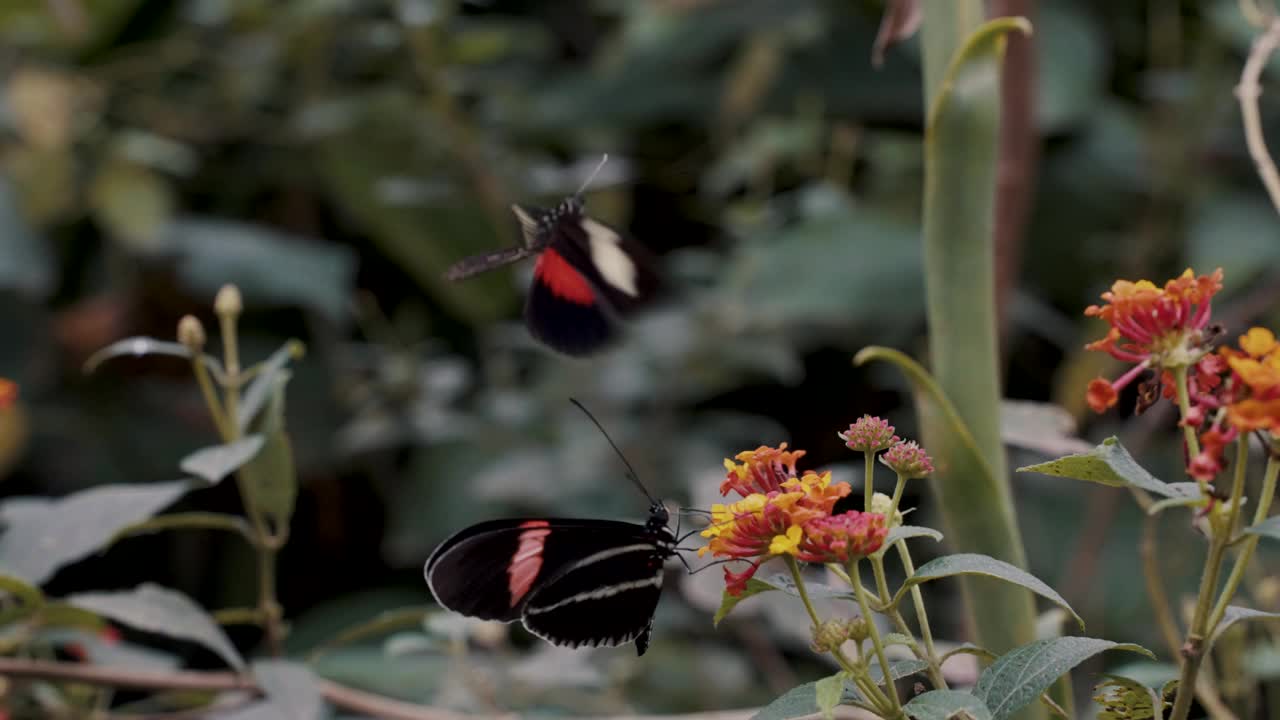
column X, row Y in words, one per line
column 908, row 459
column 1152, row 327
column 869, row 434
column 762, row 470
column 841, row 538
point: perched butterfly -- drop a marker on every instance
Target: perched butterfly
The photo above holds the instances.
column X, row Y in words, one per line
column 587, row 276
column 572, row 582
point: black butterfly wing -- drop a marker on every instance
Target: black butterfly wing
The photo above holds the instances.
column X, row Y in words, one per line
column 491, row 569
column 587, row 275
column 606, row 598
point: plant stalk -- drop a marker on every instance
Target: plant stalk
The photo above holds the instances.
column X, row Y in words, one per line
column 890, row 688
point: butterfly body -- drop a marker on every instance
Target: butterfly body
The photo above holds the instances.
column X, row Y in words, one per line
column 587, row 275
column 573, row 582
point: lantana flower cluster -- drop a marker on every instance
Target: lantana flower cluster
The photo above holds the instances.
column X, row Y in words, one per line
column 1167, row 330
column 783, row 512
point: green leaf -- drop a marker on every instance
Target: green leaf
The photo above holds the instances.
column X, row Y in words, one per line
column 29, row 599
column 974, row 564
column 1110, row 464
column 159, row 610
column 188, row 521
column 1186, row 501
column 264, row 383
column 1022, row 674
column 213, row 464
column 381, row 624
column 64, row 615
column 787, row 584
column 728, row 602
column 803, row 699
column 969, row 649
column 292, row 693
column 140, row 346
column 897, row 639
column 270, row 267
column 272, row 473
column 906, row 532
column 43, row 535
column 1269, row 528
column 944, row 704
column 829, row 690
column 898, row 669
column 1232, row 615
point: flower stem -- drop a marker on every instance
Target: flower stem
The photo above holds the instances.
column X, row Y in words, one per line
column 1250, row 543
column 922, row 619
column 897, row 497
column 874, row 632
column 876, row 697
column 1184, row 408
column 1193, row 648
column 868, row 477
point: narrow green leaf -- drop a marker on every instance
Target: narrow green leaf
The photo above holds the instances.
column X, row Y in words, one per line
column 974, row 564
column 944, row 704
column 43, row 535
column 1174, row 502
column 272, row 473
column 1021, row 675
column 970, row 649
column 906, row 532
column 728, row 602
column 264, row 383
column 828, row 692
column 1269, row 528
column 898, row 669
column 187, row 521
column 1110, row 464
column 1232, row 615
column 213, row 464
column 380, row 624
column 29, row 599
column 159, row 610
column 140, row 346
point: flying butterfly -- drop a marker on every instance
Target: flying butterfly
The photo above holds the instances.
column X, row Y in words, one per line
column 570, row 581
column 588, row 275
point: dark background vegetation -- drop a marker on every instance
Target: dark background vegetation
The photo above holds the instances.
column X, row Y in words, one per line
column 332, row 157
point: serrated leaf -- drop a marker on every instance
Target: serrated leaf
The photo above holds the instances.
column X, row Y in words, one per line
column 1022, row 674
column 1269, row 528
column 802, row 700
column 159, row 610
column 42, row 535
column 1234, row 614
column 141, row 346
column 728, row 602
column 787, row 584
column 1110, row 464
column 944, row 704
column 264, row 383
column 974, row 564
column 828, row 692
column 898, row 669
column 214, row 464
column 906, row 532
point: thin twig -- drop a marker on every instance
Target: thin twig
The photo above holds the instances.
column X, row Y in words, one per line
column 1248, row 92
column 340, row 695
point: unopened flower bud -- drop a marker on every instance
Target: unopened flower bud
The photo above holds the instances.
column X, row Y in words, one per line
column 228, row 301
column 191, row 333
column 880, row 504
column 830, row 635
column 908, row 459
column 858, row 629
column 869, row 434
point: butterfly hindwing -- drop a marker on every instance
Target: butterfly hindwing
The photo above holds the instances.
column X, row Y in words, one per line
column 564, row 310
column 607, row 598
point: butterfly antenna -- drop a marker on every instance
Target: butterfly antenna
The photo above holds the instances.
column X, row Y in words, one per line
column 631, row 472
column 600, row 166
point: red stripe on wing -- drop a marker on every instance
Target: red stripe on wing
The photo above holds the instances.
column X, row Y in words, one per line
column 562, row 279
column 527, row 561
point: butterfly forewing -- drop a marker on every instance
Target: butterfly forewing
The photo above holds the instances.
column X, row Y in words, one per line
column 490, row 570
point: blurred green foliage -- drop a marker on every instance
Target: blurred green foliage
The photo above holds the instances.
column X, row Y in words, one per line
column 332, row 157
